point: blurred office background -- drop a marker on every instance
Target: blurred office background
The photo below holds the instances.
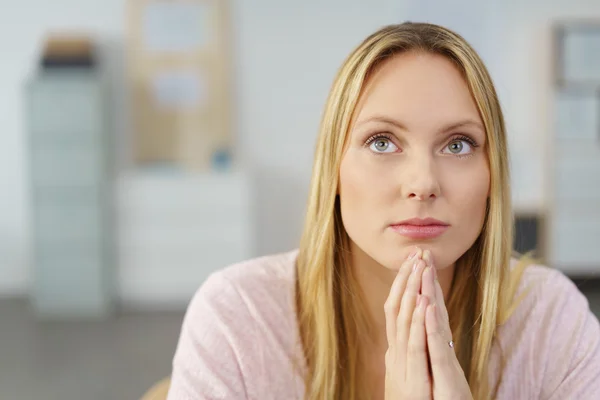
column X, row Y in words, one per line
column 179, row 138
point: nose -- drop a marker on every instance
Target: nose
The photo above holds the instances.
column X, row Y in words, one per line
column 421, row 180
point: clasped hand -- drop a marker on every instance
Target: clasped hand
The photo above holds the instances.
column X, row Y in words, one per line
column 420, row 361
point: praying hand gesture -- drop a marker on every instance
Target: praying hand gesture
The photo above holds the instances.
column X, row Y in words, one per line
column 420, row 361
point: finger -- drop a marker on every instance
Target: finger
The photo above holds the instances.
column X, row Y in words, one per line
column 440, row 353
column 441, row 304
column 417, row 363
column 428, row 283
column 439, row 294
column 392, row 304
column 407, row 306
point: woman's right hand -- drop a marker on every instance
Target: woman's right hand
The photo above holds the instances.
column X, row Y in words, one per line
column 406, row 362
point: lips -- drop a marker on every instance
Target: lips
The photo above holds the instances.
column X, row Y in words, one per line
column 422, row 222
column 420, row 228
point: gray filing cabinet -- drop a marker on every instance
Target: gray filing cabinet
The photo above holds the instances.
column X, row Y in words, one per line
column 73, row 268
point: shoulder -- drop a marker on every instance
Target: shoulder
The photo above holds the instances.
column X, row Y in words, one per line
column 254, row 296
column 253, row 283
column 244, row 295
column 239, row 326
column 547, row 291
column 550, row 335
column 543, row 295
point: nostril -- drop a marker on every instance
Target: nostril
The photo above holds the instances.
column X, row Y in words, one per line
column 419, row 197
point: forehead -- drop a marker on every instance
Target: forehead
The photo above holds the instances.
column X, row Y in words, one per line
column 421, row 89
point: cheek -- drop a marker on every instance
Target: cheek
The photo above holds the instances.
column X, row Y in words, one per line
column 465, row 200
column 365, row 191
column 352, row 185
column 468, row 194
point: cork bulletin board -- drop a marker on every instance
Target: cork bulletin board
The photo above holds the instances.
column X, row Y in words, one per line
column 178, row 72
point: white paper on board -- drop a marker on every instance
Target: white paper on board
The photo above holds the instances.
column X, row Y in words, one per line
column 176, row 90
column 176, row 26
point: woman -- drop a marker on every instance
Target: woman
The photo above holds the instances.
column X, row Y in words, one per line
column 403, row 286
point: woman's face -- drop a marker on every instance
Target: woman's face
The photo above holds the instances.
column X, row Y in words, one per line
column 415, row 171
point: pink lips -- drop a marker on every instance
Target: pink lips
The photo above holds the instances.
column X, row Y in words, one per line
column 418, row 228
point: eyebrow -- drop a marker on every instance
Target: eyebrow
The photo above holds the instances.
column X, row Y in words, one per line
column 400, row 125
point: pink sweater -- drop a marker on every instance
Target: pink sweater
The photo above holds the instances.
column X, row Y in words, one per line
column 240, row 333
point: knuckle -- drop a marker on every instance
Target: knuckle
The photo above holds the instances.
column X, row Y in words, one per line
column 391, row 355
column 416, row 323
column 415, row 349
column 389, row 307
column 417, row 320
column 389, row 358
column 401, row 323
column 411, row 290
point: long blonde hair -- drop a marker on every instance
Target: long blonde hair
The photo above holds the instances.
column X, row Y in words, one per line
column 331, row 314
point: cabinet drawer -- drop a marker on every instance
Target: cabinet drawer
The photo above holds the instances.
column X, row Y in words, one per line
column 64, row 104
column 67, row 254
column 69, row 196
column 69, row 283
column 52, row 166
column 67, row 222
column 67, row 139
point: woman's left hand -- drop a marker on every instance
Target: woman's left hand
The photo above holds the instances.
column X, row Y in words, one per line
column 449, row 381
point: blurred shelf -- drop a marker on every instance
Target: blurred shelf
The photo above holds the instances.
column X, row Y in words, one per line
column 176, row 229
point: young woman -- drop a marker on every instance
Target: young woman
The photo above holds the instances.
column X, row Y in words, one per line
column 403, row 286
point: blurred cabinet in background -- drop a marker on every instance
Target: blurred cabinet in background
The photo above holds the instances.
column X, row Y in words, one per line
column 73, row 271
column 574, row 226
column 175, row 229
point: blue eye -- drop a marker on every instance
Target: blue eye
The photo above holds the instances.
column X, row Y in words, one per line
column 460, row 146
column 381, row 144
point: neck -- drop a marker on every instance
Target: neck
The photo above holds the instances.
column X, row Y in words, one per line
column 375, row 282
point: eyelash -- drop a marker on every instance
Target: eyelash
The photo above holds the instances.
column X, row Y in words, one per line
column 376, row 136
column 467, row 139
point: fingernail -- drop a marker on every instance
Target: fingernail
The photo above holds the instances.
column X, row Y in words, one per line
column 427, row 257
column 412, row 254
column 416, row 264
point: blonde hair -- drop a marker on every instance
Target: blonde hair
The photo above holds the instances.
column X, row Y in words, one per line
column 331, row 315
